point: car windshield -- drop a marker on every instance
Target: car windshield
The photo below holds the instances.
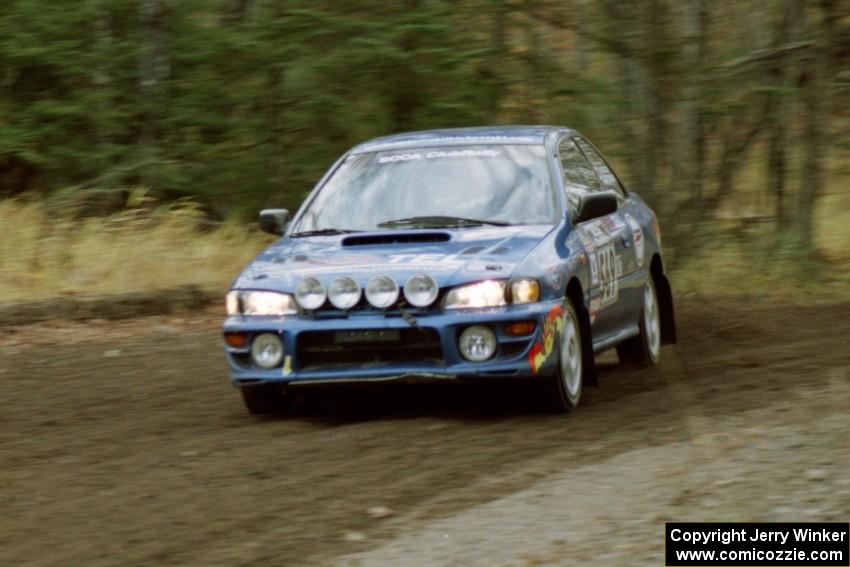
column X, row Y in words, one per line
column 430, row 187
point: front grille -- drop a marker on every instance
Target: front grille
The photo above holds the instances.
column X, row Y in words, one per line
column 336, row 349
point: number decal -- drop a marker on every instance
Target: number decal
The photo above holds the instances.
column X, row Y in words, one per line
column 609, row 270
column 605, row 264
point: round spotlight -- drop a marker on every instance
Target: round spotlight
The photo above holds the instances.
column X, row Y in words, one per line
column 421, row 290
column 310, row 293
column 477, row 343
column 267, row 350
column 344, row 292
column 381, row 291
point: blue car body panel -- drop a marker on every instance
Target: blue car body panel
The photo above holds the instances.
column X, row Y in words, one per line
column 608, row 259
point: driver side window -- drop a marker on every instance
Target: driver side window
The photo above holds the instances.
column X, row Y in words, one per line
column 609, row 180
column 579, row 176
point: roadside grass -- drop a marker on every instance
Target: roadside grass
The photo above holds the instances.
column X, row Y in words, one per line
column 757, row 263
column 754, row 260
column 47, row 250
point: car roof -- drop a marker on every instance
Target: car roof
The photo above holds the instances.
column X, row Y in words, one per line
column 460, row 136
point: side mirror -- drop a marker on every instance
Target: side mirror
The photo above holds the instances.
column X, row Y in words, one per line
column 273, row 221
column 595, row 205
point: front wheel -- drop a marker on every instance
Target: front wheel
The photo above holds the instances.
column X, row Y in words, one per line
column 645, row 348
column 564, row 389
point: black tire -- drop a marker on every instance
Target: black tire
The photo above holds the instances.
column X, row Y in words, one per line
column 644, row 349
column 563, row 388
column 266, row 399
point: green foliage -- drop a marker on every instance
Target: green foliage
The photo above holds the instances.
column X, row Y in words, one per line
column 244, row 103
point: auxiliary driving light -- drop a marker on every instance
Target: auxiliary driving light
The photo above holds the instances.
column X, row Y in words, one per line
column 344, row 292
column 310, row 293
column 477, row 343
column 267, row 350
column 381, row 291
column 421, row 290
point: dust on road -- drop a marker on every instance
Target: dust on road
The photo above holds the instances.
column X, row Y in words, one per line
column 123, row 444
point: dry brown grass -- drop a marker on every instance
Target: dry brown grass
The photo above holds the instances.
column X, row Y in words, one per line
column 46, row 252
column 754, row 264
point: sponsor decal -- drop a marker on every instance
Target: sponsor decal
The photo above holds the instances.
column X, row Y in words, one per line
column 500, row 139
column 553, row 325
column 437, row 155
column 612, row 225
column 637, row 237
column 594, row 268
column 462, row 153
column 420, row 259
column 399, row 157
column 587, row 241
column 594, row 309
column 598, row 234
column 554, row 278
column 480, row 266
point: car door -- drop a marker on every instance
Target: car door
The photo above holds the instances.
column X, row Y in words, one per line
column 627, row 231
column 601, row 238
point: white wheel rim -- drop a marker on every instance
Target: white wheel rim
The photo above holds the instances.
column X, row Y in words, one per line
column 651, row 321
column 571, row 355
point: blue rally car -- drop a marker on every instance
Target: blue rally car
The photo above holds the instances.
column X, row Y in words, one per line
column 477, row 252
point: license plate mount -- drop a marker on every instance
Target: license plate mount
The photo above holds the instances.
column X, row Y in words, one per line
column 367, row 336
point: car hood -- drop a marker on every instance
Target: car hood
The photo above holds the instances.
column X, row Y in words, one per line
column 450, row 256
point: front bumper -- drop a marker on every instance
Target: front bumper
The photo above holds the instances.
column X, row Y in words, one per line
column 516, row 355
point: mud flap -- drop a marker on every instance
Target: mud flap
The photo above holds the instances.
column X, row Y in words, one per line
column 667, row 312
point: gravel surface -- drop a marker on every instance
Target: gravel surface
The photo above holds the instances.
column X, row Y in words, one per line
column 121, row 443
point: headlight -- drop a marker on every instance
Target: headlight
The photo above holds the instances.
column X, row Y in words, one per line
column 421, row 290
column 525, row 290
column 232, row 302
column 490, row 293
column 381, row 291
column 260, row 303
column 344, row 292
column 310, row 293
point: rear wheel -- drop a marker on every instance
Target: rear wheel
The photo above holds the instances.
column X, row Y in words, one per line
column 266, row 398
column 565, row 383
column 645, row 348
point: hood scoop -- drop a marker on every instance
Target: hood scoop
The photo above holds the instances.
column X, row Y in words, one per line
column 395, row 238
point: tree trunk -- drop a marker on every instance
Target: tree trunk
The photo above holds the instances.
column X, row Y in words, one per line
column 494, row 73
column 405, row 102
column 780, row 77
column 582, row 54
column 622, row 39
column 689, row 153
column 817, row 103
column 236, row 11
column 153, row 69
column 657, row 95
column 101, row 76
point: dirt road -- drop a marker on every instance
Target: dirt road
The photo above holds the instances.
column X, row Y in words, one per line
column 123, row 444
